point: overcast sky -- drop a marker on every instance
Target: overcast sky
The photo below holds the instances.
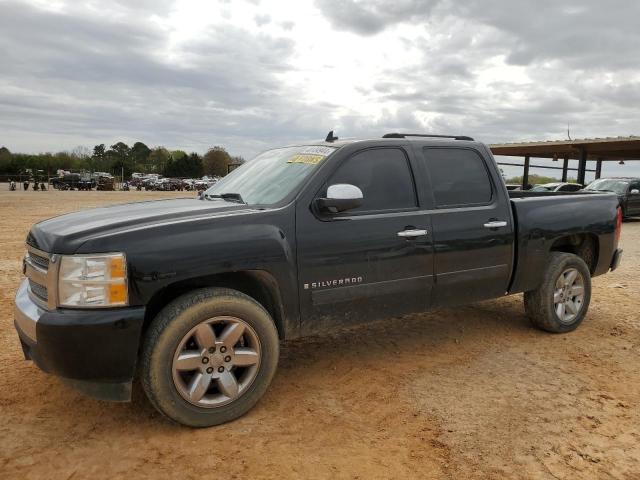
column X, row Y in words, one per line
column 250, row 75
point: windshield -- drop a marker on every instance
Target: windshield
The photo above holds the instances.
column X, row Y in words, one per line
column 605, row 185
column 271, row 176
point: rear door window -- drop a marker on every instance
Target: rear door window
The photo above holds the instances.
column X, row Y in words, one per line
column 459, row 177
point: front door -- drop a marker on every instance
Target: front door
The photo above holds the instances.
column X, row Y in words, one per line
column 362, row 264
column 472, row 227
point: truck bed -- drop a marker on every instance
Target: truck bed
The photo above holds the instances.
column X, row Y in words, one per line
column 541, row 218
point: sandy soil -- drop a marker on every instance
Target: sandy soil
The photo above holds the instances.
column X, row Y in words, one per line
column 467, row 393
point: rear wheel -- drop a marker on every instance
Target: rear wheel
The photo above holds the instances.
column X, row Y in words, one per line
column 209, row 356
column 561, row 302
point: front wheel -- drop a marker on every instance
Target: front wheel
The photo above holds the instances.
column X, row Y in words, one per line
column 561, row 302
column 209, row 356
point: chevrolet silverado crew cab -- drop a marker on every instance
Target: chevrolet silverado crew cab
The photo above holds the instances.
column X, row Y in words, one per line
column 194, row 295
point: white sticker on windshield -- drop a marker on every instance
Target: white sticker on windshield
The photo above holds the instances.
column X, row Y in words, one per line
column 318, row 150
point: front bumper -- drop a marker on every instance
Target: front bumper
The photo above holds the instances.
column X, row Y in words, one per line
column 95, row 351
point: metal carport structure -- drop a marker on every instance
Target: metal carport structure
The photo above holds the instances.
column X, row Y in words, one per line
column 584, row 150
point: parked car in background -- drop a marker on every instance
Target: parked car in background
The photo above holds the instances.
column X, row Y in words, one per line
column 73, row 181
column 188, row 183
column 627, row 189
column 557, row 187
column 169, row 184
column 205, row 182
column 106, row 182
column 150, row 183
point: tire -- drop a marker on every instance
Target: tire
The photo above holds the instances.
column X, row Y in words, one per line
column 540, row 305
column 175, row 336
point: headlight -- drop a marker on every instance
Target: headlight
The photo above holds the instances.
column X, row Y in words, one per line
column 93, row 281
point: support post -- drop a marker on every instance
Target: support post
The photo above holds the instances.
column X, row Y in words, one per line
column 598, row 168
column 565, row 168
column 582, row 165
column 525, row 174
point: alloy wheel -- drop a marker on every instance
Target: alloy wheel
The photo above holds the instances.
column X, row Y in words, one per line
column 568, row 296
column 216, row 361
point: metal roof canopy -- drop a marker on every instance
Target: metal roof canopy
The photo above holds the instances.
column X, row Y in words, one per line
column 598, row 149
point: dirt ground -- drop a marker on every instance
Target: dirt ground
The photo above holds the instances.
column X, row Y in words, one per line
column 470, row 393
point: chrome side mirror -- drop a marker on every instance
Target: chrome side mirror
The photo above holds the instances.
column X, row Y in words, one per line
column 340, row 197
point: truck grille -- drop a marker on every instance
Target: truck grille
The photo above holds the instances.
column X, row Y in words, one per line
column 40, row 275
column 38, row 290
column 40, row 261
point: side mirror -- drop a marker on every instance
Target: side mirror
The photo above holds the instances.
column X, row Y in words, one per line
column 635, row 191
column 340, row 197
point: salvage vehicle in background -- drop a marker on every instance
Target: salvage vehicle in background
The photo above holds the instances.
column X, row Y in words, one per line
column 195, row 295
column 106, row 183
column 626, row 188
column 169, row 184
column 557, row 187
column 73, row 181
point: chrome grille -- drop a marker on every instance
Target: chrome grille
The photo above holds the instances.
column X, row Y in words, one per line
column 41, row 269
column 40, row 261
column 38, row 290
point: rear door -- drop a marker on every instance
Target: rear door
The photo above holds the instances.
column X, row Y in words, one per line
column 472, row 225
column 371, row 262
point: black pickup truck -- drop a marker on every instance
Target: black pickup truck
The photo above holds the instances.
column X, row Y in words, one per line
column 193, row 295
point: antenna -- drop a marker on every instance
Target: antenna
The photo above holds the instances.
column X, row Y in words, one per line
column 330, row 137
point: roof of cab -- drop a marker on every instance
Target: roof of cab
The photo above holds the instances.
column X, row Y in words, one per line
column 399, row 138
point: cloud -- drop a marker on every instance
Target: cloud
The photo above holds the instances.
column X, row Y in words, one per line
column 105, row 78
column 250, row 75
column 369, row 17
column 584, row 33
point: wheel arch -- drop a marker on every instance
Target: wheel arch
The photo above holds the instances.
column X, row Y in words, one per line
column 257, row 284
column 584, row 245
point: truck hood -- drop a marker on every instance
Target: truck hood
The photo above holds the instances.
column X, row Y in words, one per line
column 66, row 233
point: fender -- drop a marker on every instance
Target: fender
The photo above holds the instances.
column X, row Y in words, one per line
column 162, row 257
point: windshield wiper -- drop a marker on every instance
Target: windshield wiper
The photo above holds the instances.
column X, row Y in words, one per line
column 232, row 197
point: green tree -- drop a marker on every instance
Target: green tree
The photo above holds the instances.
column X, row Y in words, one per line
column 98, row 158
column 536, row 180
column 6, row 161
column 195, row 166
column 140, row 155
column 216, row 161
column 177, row 154
column 119, row 159
column 157, row 160
column 182, row 165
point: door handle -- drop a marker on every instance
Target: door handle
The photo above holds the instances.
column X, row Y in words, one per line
column 495, row 224
column 412, row 233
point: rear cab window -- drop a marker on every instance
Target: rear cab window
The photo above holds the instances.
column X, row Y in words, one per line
column 459, row 177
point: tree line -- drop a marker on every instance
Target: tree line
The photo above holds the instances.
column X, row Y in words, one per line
column 536, row 180
column 120, row 159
